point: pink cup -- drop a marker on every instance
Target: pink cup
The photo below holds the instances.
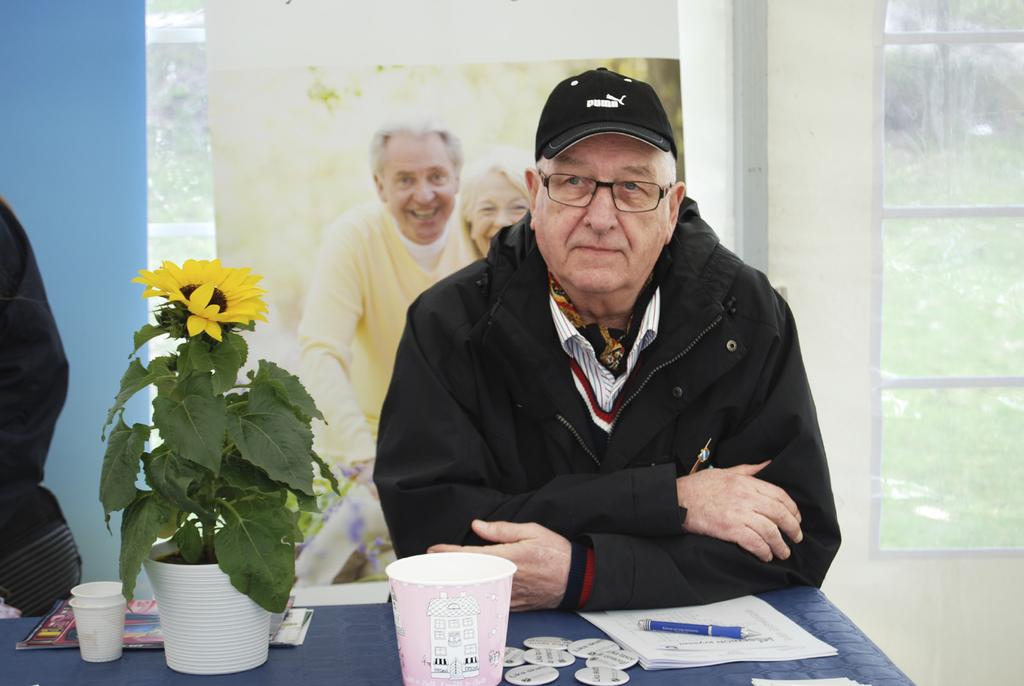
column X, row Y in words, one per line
column 451, row 617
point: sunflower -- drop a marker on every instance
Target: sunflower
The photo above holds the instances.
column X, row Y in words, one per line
column 211, row 294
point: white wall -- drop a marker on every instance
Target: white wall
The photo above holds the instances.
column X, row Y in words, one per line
column 943, row 620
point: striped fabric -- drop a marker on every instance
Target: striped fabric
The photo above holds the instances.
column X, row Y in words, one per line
column 42, row 571
column 599, row 387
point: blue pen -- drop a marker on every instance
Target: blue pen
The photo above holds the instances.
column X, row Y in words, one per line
column 696, row 629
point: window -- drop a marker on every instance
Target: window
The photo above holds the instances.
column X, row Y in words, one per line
column 180, row 172
column 949, row 354
column 468, row 621
column 439, row 624
column 467, row 633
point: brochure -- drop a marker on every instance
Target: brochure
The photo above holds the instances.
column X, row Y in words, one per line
column 142, row 627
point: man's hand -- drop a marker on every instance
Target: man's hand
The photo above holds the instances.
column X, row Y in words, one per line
column 733, row 505
column 541, row 555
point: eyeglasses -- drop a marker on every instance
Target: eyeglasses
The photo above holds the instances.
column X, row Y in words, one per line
column 628, row 196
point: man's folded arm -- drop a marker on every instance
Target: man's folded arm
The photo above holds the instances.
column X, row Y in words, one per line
column 638, row 572
column 780, row 425
column 435, row 474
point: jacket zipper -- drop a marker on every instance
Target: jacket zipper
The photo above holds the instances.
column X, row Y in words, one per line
column 579, row 439
column 715, row 322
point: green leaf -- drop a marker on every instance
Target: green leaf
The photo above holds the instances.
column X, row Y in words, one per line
column 325, row 471
column 172, row 476
column 193, row 423
column 140, row 525
column 145, row 334
column 121, row 466
column 189, row 542
column 254, row 549
column 228, row 357
column 137, row 377
column 269, row 435
column 194, row 383
column 134, row 380
column 305, row 503
column 194, row 356
column 242, row 475
column 162, row 374
column 289, row 388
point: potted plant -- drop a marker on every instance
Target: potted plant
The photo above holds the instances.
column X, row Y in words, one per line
column 233, row 466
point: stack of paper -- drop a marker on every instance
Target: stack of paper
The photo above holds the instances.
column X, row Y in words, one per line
column 776, row 636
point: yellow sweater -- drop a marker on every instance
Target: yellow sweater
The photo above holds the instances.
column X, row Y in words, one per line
column 364, row 282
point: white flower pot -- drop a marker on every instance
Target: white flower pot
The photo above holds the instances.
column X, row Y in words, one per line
column 208, row 626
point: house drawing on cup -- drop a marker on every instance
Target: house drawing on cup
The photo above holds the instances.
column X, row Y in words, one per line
column 455, row 637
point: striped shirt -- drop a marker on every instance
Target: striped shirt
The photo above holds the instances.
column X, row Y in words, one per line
column 600, row 388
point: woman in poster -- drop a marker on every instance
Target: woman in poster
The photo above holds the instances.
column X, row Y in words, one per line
column 493, row 194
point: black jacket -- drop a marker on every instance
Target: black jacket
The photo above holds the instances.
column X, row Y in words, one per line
column 33, row 373
column 482, row 420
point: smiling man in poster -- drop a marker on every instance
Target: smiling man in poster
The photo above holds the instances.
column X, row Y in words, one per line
column 613, row 400
column 375, row 260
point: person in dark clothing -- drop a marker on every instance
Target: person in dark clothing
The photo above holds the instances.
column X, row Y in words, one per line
column 612, row 400
column 39, row 562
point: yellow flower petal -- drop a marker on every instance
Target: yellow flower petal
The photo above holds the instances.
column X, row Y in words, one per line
column 241, row 318
column 213, row 328
column 248, row 293
column 200, row 297
column 175, row 272
column 195, row 325
column 233, row 279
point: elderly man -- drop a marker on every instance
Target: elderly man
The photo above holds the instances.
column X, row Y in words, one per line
column 376, row 259
column 613, row 401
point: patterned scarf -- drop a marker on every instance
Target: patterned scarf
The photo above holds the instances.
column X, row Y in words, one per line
column 609, row 343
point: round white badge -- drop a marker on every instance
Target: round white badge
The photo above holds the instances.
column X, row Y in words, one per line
column 531, row 675
column 589, row 647
column 553, row 642
column 548, row 657
column 599, row 676
column 513, row 657
column 617, row 659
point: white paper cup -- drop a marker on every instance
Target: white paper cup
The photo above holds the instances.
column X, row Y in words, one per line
column 451, row 617
column 97, row 593
column 100, row 627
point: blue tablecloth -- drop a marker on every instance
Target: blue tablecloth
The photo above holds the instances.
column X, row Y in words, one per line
column 354, row 645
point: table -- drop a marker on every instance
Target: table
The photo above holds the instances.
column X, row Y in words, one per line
column 354, row 645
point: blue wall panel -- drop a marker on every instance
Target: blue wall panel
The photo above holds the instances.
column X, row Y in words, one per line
column 73, row 166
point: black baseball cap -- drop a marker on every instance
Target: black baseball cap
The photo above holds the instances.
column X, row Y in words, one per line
column 601, row 101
